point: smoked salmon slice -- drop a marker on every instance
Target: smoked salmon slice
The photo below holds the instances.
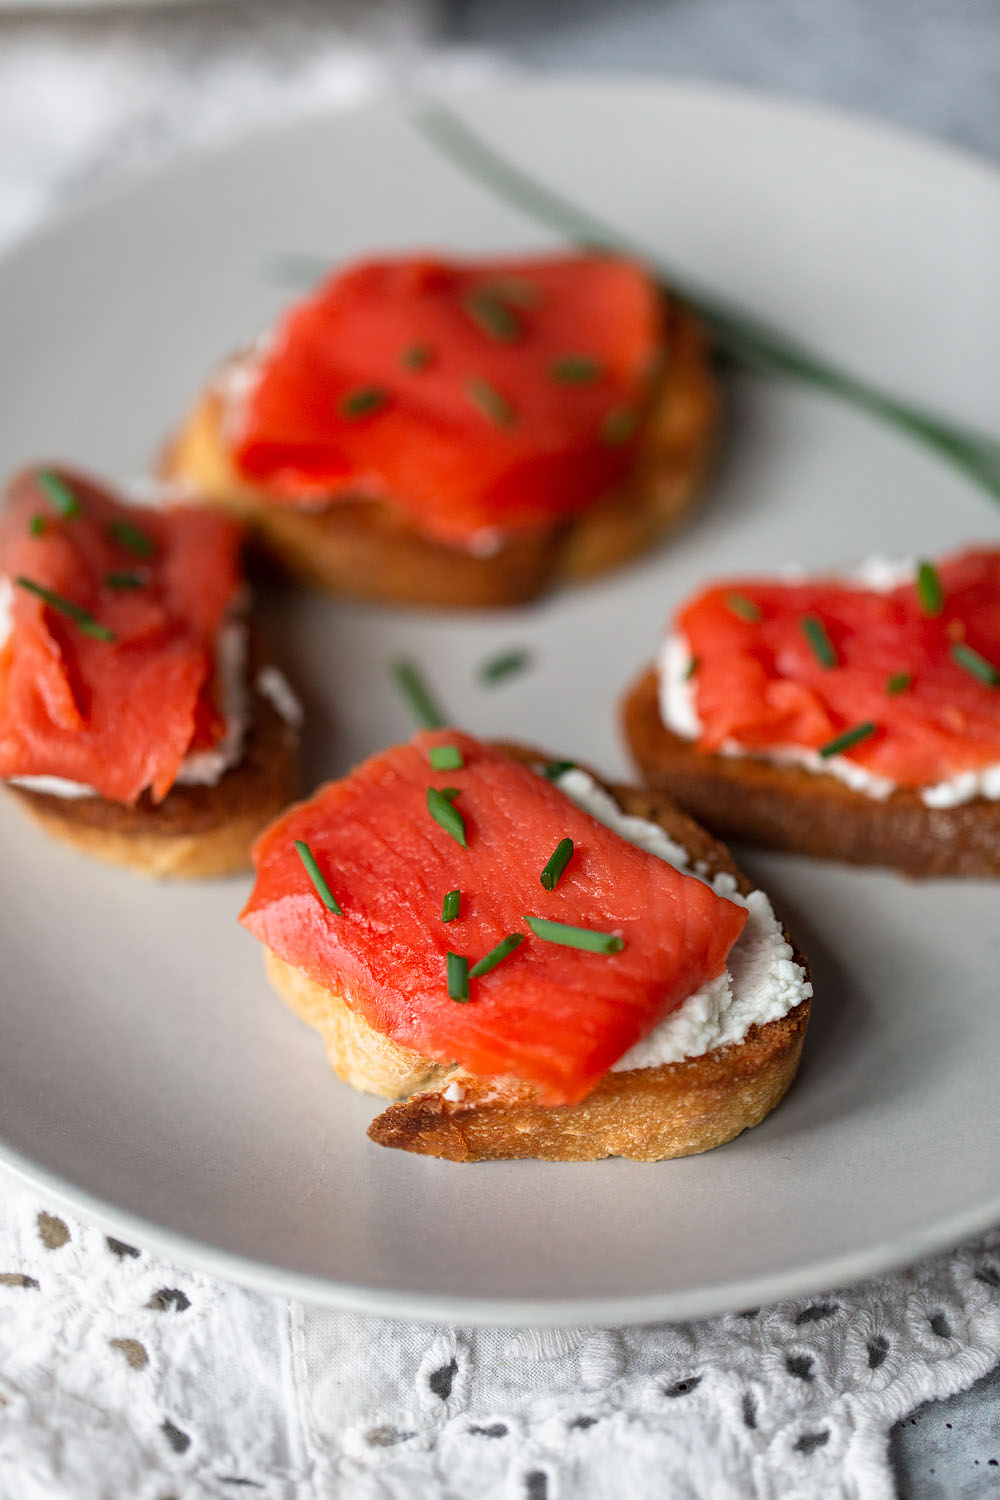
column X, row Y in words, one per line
column 906, row 679
column 477, row 397
column 107, row 642
column 554, row 1016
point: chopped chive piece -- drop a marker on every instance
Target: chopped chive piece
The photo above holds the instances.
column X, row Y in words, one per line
column 848, row 738
column 557, row 768
column 820, row 643
column 415, row 357
column 496, row 955
column 457, row 970
column 929, row 589
column 323, row 891
column 413, row 688
column 977, row 666
column 575, row 937
column 440, row 807
column 692, row 668
column 618, row 426
column 490, row 401
column 740, row 605
column 59, row 492
column 362, row 402
column 450, row 906
column 505, row 664
column 492, row 314
column 80, row 617
column 517, row 290
column 132, row 539
column 561, row 856
column 450, row 792
column 115, row 580
column 37, row 526
column 898, row 683
column 446, row 758
column 575, row 369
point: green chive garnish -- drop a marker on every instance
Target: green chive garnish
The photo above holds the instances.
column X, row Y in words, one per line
column 496, row 668
column 457, row 970
column 125, row 580
column 80, row 617
column 450, row 906
column 692, row 668
column 744, row 607
column 517, row 290
column 323, row 891
column 496, row 955
column 132, row 539
column 929, row 589
column 59, row 492
column 898, row 683
column 561, row 856
column 37, row 526
column 440, row 807
column 362, row 402
column 445, row 757
column 492, row 315
column 557, row 768
column 410, row 683
column 490, row 401
column 415, row 357
column 848, row 738
column 575, row 937
column 820, row 643
column 575, row 369
column 618, row 426
column 977, row 666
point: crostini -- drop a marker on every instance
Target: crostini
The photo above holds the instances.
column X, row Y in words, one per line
column 534, row 965
column 853, row 717
column 135, row 722
column 460, row 432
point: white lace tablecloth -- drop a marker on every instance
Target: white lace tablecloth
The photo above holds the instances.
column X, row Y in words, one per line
column 121, row 1376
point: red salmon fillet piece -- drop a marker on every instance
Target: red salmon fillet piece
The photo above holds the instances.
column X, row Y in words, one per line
column 428, row 447
column 758, row 681
column 116, row 716
column 550, row 1015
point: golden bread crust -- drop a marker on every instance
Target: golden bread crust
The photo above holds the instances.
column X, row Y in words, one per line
column 646, row 1114
column 786, row 807
column 363, row 548
column 196, row 832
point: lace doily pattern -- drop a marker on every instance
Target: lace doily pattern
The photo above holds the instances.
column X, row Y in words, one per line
column 122, row 1375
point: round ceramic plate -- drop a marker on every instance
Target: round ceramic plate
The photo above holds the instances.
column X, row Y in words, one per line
column 148, row 1075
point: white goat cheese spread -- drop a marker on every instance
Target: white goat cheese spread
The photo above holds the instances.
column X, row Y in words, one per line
column 679, row 713
column 761, row 982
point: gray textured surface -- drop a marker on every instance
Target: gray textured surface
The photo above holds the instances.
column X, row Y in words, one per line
column 933, row 65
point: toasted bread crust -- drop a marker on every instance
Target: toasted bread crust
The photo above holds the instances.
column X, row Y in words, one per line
column 363, row 548
column 196, row 831
column 646, row 1114
column 785, row 807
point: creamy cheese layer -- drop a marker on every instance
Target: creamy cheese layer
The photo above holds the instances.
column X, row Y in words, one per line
column 762, row 982
column 679, row 713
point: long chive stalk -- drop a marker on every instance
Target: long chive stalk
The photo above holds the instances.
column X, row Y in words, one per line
column 749, row 342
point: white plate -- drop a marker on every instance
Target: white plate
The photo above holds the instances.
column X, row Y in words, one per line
column 148, row 1075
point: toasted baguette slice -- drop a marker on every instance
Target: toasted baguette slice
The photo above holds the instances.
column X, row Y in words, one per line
column 196, row 831
column 646, row 1114
column 786, row 807
column 365, row 549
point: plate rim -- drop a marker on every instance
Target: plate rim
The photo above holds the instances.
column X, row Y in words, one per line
column 263, row 1275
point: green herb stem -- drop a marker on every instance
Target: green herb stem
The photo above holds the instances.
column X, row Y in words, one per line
column 496, row 955
column 313, row 871
column 748, row 341
column 82, row 618
column 441, row 809
column 132, row 539
column 559, row 859
column 413, row 688
column 556, row 768
column 505, row 664
column 362, row 402
column 929, row 589
column 451, row 906
column 819, row 641
column 746, row 609
column 125, row 580
column 575, row 369
column 58, row 492
column 848, row 739
column 692, row 667
column 976, row 665
column 492, row 316
column 492, row 403
column 457, row 974
column 898, row 683
column 415, row 357
column 445, row 758
column 37, row 525
column 575, row 937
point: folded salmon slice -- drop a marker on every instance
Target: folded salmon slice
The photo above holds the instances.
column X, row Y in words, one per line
column 550, row 1015
column 117, row 710
column 917, row 669
column 475, row 396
